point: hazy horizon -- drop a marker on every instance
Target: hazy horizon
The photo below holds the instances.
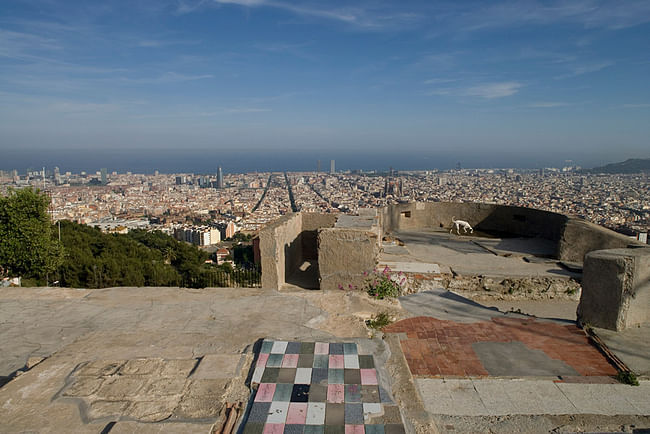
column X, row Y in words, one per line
column 207, row 161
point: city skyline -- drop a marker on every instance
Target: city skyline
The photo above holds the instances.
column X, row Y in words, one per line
column 517, row 80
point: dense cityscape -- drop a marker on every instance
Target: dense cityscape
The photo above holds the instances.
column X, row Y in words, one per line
column 246, row 202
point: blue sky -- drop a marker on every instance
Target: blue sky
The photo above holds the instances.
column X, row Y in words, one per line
column 521, row 78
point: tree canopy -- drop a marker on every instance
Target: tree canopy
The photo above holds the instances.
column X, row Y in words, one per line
column 27, row 243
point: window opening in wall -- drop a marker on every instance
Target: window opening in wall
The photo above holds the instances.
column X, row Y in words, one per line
column 406, row 214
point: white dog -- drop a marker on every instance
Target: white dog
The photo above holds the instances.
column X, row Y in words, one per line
column 458, row 224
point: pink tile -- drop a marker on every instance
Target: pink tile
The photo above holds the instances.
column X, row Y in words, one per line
column 337, row 362
column 261, row 360
column 368, row 376
column 297, row 413
column 321, row 348
column 335, row 393
column 265, row 392
column 354, row 429
column 290, row 360
column 274, row 428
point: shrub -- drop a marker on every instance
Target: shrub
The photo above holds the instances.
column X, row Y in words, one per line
column 384, row 285
column 379, row 321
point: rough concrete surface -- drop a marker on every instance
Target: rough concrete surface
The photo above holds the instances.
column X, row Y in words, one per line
column 632, row 346
column 616, row 288
column 501, row 397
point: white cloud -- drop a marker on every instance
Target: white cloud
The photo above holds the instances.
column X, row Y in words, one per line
column 547, row 104
column 494, row 90
column 634, row 106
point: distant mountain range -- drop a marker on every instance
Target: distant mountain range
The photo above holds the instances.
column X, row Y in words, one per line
column 632, row 165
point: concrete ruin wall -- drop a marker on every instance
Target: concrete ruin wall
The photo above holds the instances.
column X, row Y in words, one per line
column 343, row 256
column 287, row 242
column 580, row 237
column 616, row 289
column 311, row 223
column 574, row 237
column 280, row 249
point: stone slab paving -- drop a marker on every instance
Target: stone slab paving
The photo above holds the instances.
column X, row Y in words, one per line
column 434, row 347
column 500, row 397
column 318, row 387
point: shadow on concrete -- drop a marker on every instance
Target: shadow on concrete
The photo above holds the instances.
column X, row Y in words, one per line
column 301, row 261
column 447, row 305
column 306, row 276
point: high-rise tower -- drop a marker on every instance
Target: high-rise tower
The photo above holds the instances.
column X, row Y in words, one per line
column 332, row 167
column 219, row 178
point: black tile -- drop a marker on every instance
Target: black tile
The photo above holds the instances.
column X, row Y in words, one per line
column 300, row 393
column 336, row 349
column 334, row 429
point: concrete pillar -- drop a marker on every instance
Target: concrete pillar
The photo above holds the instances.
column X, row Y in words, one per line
column 615, row 288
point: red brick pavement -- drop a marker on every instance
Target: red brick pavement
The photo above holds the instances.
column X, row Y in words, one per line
column 436, row 347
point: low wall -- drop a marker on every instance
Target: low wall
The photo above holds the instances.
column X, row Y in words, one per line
column 343, row 256
column 287, row 242
column 581, row 237
column 615, row 289
column 574, row 237
column 311, row 223
column 280, row 249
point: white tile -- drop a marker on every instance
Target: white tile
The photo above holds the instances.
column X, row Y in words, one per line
column 257, row 375
column 279, row 347
column 351, row 361
column 278, row 412
column 315, row 413
column 370, row 410
column 303, row 376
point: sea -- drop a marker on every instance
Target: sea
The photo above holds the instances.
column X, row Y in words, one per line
column 262, row 160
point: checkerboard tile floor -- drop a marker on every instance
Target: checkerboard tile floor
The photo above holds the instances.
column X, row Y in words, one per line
column 318, row 387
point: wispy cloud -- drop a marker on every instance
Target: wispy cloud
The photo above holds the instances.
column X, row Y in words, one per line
column 586, row 68
column 440, row 80
column 588, row 13
column 635, row 106
column 547, row 104
column 168, row 77
column 494, row 90
column 362, row 17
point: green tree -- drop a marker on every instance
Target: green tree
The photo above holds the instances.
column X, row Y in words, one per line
column 28, row 246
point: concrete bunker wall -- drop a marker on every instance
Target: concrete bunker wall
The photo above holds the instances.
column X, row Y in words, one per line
column 616, row 288
column 343, row 256
column 574, row 238
column 287, row 243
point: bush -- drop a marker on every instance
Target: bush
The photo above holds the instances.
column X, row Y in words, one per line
column 379, row 321
column 627, row 378
column 384, row 285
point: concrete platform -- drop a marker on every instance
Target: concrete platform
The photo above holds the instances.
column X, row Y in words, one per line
column 632, row 346
column 500, row 397
column 468, row 255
